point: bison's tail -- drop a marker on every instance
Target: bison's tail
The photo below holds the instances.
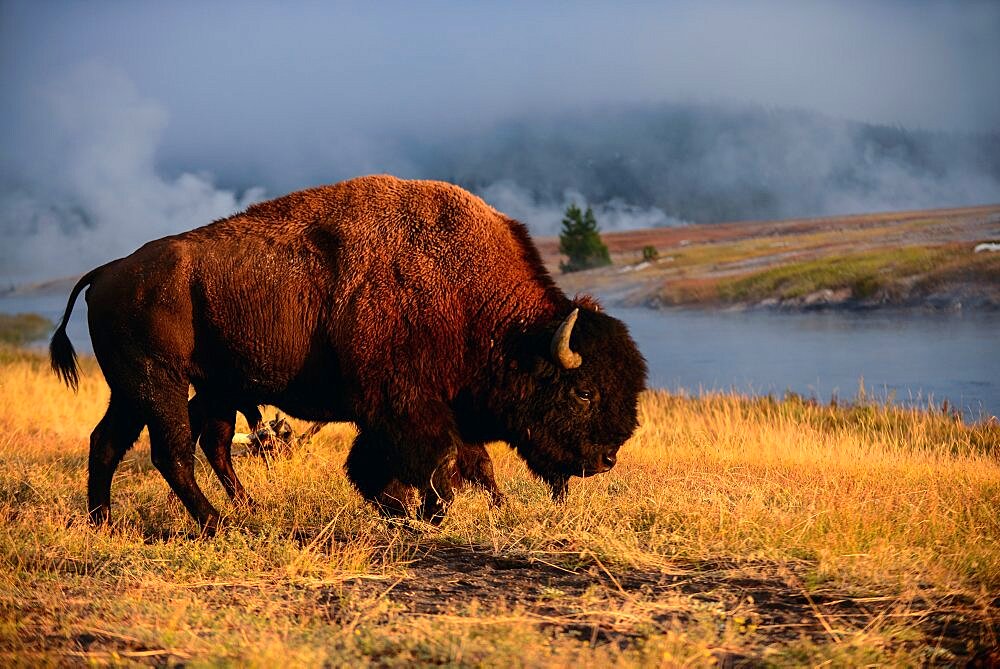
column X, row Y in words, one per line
column 61, row 353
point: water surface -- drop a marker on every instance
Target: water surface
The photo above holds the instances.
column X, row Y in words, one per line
column 906, row 357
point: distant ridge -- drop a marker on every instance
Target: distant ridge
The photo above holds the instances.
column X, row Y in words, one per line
column 710, row 163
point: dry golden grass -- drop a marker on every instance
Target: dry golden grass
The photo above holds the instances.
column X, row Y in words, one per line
column 775, row 531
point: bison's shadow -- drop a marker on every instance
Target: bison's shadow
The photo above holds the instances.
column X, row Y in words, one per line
column 766, row 599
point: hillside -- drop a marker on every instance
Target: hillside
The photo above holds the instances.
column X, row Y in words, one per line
column 915, row 259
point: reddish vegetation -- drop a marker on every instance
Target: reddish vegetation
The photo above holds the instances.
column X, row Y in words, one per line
column 905, row 259
column 632, row 241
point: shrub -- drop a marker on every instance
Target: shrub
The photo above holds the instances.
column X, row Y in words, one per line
column 580, row 241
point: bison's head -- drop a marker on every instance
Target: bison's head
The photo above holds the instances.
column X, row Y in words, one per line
column 572, row 393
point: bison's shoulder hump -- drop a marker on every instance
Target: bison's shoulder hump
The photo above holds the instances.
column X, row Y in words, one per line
column 386, row 214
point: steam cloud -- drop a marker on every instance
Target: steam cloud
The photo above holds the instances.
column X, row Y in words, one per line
column 83, row 182
column 709, row 163
column 545, row 217
column 83, row 187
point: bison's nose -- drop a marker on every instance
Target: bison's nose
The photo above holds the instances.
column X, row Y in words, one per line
column 610, row 459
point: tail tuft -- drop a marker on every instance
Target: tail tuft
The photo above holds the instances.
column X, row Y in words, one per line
column 63, row 358
column 61, row 353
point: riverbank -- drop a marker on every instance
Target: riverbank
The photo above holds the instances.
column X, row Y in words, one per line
column 907, row 260
column 733, row 530
column 911, row 260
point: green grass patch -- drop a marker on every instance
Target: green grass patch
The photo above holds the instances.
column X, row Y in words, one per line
column 867, row 274
column 716, row 254
column 23, row 328
column 965, row 267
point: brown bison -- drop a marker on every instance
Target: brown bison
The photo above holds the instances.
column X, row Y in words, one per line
column 410, row 308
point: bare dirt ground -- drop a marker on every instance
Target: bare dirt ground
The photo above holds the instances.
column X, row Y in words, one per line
column 768, row 605
column 767, row 602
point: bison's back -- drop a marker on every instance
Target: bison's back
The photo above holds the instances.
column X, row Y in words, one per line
column 427, row 226
column 419, row 274
column 345, row 281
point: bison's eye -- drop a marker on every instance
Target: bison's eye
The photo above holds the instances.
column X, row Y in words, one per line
column 583, row 395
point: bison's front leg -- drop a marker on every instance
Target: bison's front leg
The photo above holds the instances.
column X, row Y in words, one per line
column 437, row 497
column 476, row 467
column 371, row 469
column 416, row 448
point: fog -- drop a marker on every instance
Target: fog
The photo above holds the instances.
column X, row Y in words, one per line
column 89, row 190
column 719, row 162
column 124, row 122
column 546, row 213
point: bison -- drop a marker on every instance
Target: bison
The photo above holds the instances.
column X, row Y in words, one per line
column 411, row 308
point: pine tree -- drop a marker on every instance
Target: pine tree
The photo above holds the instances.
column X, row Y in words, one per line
column 580, row 241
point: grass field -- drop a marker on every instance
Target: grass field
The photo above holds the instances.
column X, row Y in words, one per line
column 23, row 328
column 770, row 531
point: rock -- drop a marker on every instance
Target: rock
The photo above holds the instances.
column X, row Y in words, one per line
column 824, row 296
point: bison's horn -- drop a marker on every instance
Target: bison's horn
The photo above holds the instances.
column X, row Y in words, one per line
column 560, row 343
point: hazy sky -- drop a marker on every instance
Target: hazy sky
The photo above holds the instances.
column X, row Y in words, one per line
column 287, row 70
column 174, row 100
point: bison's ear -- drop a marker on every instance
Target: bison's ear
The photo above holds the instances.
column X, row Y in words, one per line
column 589, row 302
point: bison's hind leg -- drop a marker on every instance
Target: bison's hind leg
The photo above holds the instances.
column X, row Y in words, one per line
column 253, row 416
column 217, row 430
column 113, row 436
column 171, row 447
column 197, row 413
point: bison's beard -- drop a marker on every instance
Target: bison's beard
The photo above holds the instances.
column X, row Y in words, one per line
column 553, row 465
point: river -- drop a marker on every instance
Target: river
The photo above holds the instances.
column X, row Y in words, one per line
column 906, row 357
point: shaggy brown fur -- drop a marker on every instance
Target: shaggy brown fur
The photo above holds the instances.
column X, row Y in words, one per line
column 411, row 308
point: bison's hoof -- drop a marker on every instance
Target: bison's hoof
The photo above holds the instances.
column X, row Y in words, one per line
column 433, row 510
column 211, row 526
column 100, row 517
column 246, row 503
